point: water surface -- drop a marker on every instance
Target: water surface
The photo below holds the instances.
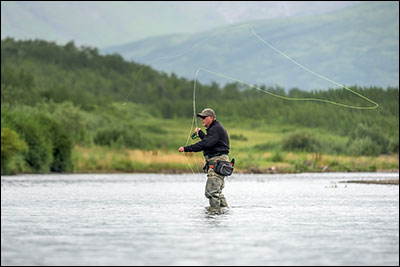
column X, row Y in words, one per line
column 151, row 219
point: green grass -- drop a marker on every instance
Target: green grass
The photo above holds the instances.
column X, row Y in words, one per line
column 259, row 150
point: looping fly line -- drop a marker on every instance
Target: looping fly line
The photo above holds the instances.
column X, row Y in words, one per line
column 375, row 105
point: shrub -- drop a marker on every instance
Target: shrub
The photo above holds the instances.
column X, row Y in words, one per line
column 70, row 119
column 301, row 141
column 375, row 135
column 61, row 145
column 393, row 146
column 39, row 155
column 121, row 136
column 364, row 147
column 49, row 146
column 240, row 137
column 11, row 147
column 277, row 157
column 106, row 136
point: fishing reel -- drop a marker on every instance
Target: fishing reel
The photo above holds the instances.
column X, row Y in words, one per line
column 194, row 136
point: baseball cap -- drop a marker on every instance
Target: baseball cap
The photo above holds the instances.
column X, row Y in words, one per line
column 206, row 112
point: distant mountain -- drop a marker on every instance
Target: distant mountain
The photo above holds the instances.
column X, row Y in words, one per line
column 357, row 45
column 102, row 23
column 105, row 23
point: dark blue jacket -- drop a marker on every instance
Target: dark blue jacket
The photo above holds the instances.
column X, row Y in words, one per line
column 215, row 142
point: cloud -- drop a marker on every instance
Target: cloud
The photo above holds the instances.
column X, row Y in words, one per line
column 238, row 11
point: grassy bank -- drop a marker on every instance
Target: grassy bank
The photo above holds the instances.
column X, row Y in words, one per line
column 107, row 160
column 256, row 146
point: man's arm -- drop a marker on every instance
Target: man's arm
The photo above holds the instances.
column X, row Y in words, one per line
column 201, row 134
column 207, row 141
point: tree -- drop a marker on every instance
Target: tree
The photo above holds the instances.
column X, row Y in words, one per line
column 11, row 145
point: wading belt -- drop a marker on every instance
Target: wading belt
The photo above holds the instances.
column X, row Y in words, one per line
column 221, row 167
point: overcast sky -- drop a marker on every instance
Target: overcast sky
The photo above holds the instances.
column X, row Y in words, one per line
column 105, row 23
column 239, row 11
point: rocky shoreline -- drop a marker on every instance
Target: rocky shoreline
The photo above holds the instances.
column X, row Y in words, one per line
column 387, row 181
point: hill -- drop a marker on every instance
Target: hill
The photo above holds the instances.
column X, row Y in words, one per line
column 101, row 24
column 105, row 23
column 354, row 45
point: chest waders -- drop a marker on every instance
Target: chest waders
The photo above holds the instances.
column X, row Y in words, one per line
column 215, row 182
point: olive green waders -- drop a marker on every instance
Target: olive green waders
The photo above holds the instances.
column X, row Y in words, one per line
column 215, row 184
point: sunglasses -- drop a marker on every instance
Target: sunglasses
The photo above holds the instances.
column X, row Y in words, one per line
column 203, row 117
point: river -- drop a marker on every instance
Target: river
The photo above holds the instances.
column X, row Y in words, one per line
column 155, row 219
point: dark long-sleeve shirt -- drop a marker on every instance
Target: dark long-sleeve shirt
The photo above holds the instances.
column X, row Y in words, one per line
column 215, row 142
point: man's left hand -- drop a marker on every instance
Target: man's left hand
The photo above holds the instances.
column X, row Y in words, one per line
column 181, row 149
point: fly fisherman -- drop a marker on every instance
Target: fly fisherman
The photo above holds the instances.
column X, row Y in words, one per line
column 215, row 147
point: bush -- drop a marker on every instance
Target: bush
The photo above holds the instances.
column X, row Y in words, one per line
column 39, row 155
column 364, row 147
column 11, row 147
column 393, row 146
column 240, row 137
column 277, row 156
column 61, row 145
column 121, row 136
column 49, row 146
column 375, row 135
column 70, row 119
column 301, row 141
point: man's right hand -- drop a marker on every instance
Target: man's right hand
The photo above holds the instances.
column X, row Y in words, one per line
column 197, row 130
column 181, row 149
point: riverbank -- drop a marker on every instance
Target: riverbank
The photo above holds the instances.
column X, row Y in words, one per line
column 99, row 159
column 385, row 181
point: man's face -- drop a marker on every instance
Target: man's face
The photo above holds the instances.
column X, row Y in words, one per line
column 206, row 121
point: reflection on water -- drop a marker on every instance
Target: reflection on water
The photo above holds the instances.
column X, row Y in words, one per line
column 148, row 219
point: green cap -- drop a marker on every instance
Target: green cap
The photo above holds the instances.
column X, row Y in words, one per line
column 206, row 113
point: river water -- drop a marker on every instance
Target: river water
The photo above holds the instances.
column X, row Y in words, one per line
column 153, row 219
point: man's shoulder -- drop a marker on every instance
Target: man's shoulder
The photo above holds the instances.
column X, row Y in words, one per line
column 215, row 125
column 218, row 125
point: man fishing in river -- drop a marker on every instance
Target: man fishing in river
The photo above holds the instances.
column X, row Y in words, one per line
column 215, row 147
